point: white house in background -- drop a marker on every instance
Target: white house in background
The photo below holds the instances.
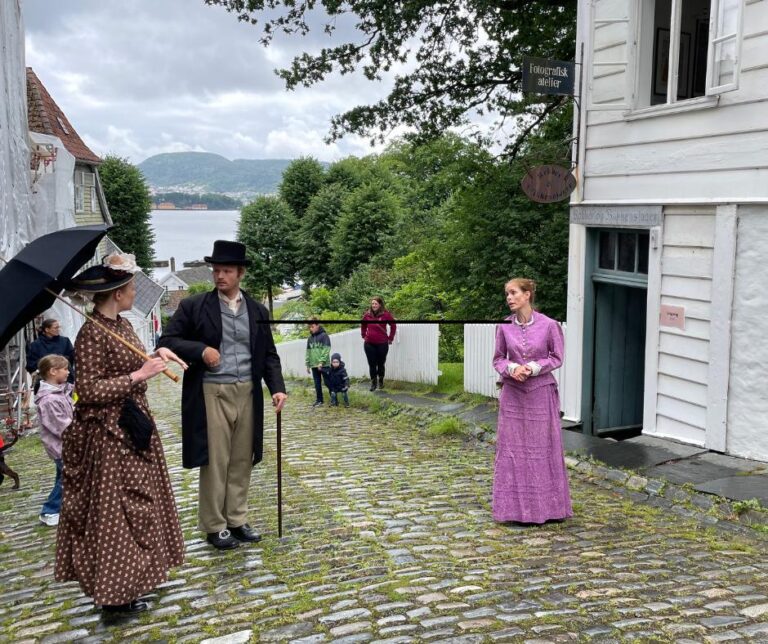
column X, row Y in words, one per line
column 176, row 284
column 183, row 279
column 667, row 298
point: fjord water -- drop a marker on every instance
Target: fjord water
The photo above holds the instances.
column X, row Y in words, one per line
column 189, row 234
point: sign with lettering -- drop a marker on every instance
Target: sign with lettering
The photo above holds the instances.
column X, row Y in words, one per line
column 544, row 76
column 673, row 316
column 617, row 216
column 548, row 183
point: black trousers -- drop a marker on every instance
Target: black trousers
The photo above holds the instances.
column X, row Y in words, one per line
column 377, row 357
column 319, row 376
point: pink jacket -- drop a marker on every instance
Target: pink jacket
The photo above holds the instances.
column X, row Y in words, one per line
column 374, row 327
column 55, row 410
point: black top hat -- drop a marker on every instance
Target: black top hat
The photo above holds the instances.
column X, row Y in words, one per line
column 228, row 252
column 98, row 279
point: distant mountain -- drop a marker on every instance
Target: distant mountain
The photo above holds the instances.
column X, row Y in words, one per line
column 206, row 172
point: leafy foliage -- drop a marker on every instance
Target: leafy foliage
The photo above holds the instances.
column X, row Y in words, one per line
column 315, row 232
column 365, row 225
column 302, row 180
column 199, row 287
column 266, row 228
column 129, row 204
column 460, row 59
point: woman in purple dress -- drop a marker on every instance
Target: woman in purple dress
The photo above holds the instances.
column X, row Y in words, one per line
column 530, row 483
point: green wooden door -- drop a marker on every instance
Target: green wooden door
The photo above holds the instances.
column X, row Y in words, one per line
column 619, row 357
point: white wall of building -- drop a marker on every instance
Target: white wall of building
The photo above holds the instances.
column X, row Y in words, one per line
column 701, row 150
column 747, row 401
column 413, row 356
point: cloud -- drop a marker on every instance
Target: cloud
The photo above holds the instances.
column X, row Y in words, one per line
column 143, row 77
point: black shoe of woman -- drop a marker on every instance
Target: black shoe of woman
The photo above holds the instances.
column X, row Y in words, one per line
column 373, row 385
column 131, row 608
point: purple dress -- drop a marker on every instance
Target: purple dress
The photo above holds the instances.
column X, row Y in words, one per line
column 530, row 483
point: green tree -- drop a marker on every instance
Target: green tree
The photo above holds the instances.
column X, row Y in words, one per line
column 364, row 227
column 315, row 232
column 464, row 59
column 351, row 172
column 302, row 180
column 199, row 287
column 494, row 232
column 129, row 205
column 267, row 228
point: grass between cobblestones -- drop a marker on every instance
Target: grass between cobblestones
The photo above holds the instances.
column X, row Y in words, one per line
column 389, row 535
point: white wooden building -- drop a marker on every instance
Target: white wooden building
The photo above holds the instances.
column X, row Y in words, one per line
column 667, row 303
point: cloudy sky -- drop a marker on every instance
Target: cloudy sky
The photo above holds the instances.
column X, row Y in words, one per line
column 140, row 77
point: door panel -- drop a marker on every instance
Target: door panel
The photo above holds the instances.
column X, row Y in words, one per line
column 619, row 365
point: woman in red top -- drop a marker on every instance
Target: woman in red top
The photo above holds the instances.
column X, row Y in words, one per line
column 376, row 340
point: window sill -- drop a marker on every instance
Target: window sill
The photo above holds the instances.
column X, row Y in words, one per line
column 690, row 105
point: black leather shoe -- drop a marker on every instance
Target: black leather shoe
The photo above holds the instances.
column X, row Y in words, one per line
column 222, row 540
column 131, row 608
column 244, row 533
column 381, row 383
column 373, row 385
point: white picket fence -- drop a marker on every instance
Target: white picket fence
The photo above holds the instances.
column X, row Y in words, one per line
column 412, row 356
column 479, row 375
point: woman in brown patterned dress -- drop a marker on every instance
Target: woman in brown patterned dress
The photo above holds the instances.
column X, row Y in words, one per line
column 119, row 531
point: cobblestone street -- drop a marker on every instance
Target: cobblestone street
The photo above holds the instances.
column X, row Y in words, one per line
column 388, row 537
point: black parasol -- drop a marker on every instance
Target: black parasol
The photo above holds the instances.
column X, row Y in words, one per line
column 30, row 280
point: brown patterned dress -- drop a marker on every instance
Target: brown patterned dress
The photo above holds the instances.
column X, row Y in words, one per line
column 119, row 530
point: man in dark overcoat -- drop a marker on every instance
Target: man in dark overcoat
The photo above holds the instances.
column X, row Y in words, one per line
column 222, row 410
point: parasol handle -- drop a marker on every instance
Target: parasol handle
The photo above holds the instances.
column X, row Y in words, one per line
column 116, row 336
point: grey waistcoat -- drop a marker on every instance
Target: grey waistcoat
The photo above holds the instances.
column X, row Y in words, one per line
column 235, row 347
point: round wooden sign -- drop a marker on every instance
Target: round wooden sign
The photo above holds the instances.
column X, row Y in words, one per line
column 548, row 183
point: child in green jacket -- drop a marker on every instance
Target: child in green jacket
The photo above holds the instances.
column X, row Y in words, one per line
column 318, row 357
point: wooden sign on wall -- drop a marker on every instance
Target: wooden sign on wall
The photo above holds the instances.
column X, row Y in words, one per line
column 548, row 183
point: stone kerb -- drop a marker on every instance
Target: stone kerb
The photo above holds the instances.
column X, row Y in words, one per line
column 413, row 356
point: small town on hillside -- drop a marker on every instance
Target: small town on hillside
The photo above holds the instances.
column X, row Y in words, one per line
column 383, row 322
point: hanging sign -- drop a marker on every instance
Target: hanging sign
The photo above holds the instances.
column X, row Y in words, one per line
column 544, row 76
column 548, row 183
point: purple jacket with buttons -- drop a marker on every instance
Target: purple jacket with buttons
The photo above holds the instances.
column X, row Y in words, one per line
column 540, row 341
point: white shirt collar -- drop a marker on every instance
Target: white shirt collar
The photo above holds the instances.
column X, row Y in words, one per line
column 528, row 323
column 232, row 303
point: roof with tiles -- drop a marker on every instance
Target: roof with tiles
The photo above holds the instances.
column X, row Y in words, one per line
column 46, row 117
column 195, row 275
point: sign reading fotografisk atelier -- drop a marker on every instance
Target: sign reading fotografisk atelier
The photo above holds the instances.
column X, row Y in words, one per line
column 544, row 76
column 548, row 183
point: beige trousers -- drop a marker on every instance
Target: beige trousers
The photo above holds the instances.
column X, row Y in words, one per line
column 224, row 481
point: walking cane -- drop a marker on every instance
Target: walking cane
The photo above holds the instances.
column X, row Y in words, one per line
column 279, row 477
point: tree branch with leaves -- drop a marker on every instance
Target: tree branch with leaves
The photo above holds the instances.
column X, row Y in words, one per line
column 461, row 59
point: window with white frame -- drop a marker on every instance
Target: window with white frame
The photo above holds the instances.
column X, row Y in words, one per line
column 85, row 185
column 689, row 49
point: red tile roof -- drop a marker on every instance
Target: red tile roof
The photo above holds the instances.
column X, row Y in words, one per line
column 46, row 117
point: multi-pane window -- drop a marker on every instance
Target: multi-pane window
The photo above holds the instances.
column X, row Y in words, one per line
column 692, row 46
column 85, row 191
column 625, row 251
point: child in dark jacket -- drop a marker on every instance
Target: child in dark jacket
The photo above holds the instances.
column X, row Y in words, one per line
column 338, row 381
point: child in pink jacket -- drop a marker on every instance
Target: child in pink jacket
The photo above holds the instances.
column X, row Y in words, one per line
column 55, row 410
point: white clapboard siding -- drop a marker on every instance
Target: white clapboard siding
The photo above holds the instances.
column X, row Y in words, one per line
column 413, row 356
column 714, row 153
column 686, row 281
column 479, row 375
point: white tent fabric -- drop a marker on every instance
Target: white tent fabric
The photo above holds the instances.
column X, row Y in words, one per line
column 53, row 208
column 15, row 220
